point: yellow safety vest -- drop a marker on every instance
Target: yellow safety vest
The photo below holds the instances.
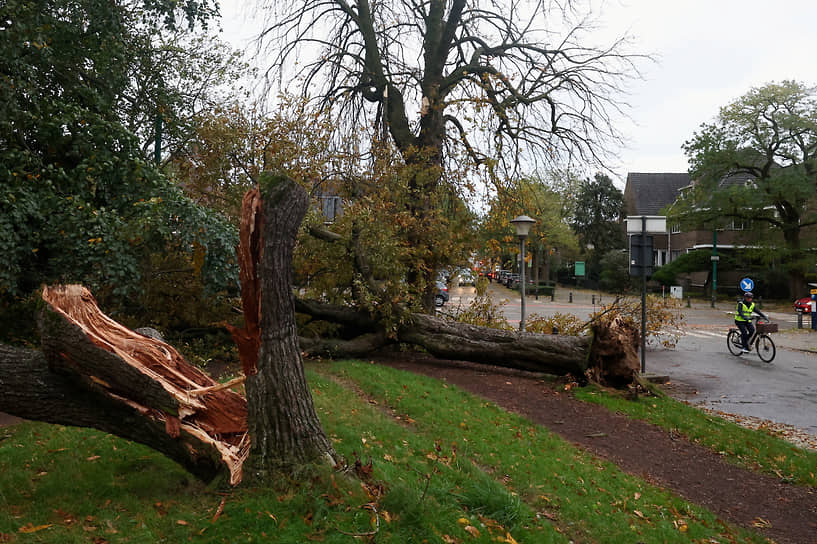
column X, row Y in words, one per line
column 748, row 309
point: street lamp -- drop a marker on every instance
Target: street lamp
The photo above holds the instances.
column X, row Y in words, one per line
column 523, row 223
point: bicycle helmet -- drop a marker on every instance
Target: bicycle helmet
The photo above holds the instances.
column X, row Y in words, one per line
column 748, row 294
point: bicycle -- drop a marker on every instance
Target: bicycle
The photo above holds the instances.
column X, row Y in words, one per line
column 760, row 339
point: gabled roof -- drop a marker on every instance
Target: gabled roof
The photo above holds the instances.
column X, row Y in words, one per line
column 737, row 178
column 647, row 194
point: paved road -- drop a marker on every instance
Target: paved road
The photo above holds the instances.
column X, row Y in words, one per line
column 784, row 391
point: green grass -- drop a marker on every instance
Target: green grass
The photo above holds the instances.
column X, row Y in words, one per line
column 449, row 467
column 757, row 450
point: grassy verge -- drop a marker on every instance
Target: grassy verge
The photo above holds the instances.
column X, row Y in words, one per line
column 752, row 449
column 449, row 468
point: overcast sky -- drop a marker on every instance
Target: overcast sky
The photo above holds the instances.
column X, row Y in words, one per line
column 708, row 53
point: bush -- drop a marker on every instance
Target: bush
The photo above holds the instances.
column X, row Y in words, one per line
column 482, row 311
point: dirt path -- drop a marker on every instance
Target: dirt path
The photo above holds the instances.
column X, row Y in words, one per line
column 699, row 475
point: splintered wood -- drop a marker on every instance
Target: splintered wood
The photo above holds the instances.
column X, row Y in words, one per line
column 153, row 377
column 248, row 338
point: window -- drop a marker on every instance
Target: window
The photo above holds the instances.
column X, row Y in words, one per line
column 675, row 228
column 332, row 208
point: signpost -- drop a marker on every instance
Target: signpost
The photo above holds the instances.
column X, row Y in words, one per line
column 746, row 285
column 639, row 226
column 578, row 269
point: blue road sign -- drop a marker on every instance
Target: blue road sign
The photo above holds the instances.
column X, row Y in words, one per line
column 747, row 284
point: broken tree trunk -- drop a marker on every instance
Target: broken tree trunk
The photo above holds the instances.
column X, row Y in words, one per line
column 284, row 427
column 525, row 351
column 607, row 356
column 100, row 374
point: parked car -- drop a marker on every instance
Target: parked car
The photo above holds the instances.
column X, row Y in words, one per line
column 442, row 294
column 465, row 276
column 803, row 304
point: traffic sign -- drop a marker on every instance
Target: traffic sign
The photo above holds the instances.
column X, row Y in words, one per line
column 813, row 292
column 747, row 284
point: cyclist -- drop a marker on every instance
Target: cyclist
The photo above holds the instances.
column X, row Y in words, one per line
column 743, row 318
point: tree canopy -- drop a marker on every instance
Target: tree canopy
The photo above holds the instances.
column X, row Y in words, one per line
column 542, row 202
column 80, row 198
column 597, row 217
column 757, row 164
column 495, row 79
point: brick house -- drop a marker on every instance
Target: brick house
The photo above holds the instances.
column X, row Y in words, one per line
column 651, row 193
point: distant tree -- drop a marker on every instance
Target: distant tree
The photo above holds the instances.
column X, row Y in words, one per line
column 614, row 273
column 598, row 214
column 757, row 164
column 493, row 81
column 540, row 201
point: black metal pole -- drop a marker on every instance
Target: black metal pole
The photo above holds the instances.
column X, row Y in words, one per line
column 714, row 266
column 522, row 280
column 644, row 261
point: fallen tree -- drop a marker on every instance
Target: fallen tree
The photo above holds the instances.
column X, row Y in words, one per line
column 607, row 355
column 93, row 372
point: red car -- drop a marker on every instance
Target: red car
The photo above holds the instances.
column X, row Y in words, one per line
column 803, row 304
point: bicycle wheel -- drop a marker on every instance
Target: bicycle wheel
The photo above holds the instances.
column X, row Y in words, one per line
column 733, row 342
column 765, row 348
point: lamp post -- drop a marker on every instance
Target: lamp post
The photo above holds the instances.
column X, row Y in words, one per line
column 523, row 223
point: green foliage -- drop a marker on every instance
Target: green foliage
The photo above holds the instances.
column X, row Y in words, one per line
column 615, row 273
column 482, row 310
column 380, row 240
column 566, row 324
column 694, row 261
column 79, row 201
column 545, row 203
column 17, row 323
column 598, row 214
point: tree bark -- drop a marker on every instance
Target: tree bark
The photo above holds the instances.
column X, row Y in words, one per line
column 527, row 351
column 608, row 355
column 284, row 427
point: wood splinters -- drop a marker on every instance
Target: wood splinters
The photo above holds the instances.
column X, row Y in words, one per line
column 219, row 387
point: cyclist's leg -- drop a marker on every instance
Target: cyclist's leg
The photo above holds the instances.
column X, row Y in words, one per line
column 750, row 334
column 744, row 334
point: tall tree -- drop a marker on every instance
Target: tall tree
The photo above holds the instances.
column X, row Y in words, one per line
column 757, row 164
column 495, row 80
column 598, row 213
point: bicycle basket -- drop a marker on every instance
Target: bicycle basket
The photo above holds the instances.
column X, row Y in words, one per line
column 766, row 328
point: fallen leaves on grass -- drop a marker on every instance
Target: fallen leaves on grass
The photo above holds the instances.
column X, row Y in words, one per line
column 29, row 528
